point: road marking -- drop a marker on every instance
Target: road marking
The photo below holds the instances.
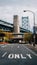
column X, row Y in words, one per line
column 31, row 51
column 23, row 57
column 19, row 56
column 29, row 55
column 18, row 47
column 4, row 54
column 4, row 46
column 16, row 56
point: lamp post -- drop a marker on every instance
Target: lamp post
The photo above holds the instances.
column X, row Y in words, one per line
column 34, row 23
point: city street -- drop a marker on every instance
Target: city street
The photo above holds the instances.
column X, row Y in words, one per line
column 17, row 54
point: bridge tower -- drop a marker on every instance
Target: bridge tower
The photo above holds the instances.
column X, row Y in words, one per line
column 25, row 23
column 16, row 24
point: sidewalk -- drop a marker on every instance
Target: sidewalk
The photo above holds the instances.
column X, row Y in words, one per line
column 30, row 46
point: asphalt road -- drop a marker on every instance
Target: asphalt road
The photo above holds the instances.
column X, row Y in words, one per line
column 17, row 54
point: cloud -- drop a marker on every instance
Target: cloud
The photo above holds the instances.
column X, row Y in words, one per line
column 8, row 8
column 28, row 3
column 7, row 12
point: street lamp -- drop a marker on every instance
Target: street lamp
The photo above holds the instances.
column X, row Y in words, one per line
column 34, row 23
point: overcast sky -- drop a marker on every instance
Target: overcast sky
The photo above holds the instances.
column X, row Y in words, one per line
column 8, row 8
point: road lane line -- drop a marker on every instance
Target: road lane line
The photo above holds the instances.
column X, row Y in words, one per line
column 4, row 54
column 30, row 51
column 4, row 46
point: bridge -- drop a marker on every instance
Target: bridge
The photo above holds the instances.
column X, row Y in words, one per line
column 10, row 27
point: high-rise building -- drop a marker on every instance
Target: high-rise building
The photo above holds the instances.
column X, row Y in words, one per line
column 25, row 23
